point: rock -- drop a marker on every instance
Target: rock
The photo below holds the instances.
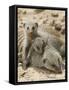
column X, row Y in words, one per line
column 63, row 19
column 52, row 23
column 58, row 27
column 54, row 14
column 63, row 30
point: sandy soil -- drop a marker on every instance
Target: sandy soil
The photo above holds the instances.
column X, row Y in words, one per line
column 36, row 74
column 46, row 19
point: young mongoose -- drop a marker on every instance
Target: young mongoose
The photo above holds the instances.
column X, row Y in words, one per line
column 42, row 54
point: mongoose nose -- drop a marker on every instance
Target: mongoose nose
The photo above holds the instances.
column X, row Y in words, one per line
column 30, row 34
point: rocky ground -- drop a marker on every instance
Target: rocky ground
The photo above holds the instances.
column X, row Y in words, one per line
column 36, row 74
column 54, row 23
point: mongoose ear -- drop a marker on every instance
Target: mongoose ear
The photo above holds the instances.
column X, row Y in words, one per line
column 36, row 24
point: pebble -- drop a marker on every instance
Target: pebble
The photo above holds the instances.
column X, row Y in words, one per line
column 58, row 27
column 63, row 30
column 63, row 19
column 54, row 14
column 52, row 23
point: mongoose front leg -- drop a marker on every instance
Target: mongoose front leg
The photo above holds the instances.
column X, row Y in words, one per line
column 25, row 60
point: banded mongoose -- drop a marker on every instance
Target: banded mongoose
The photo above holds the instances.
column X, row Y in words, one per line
column 42, row 54
column 32, row 31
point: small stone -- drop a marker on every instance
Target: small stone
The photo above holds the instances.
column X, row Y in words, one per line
column 45, row 21
column 41, row 17
column 63, row 19
column 58, row 27
column 63, row 30
column 25, row 12
column 54, row 14
column 52, row 23
column 34, row 17
column 20, row 26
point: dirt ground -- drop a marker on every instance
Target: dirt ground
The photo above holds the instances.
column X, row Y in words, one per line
column 45, row 18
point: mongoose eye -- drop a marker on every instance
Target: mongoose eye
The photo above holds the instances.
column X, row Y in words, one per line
column 27, row 28
column 38, row 48
column 33, row 28
column 53, row 65
column 44, row 61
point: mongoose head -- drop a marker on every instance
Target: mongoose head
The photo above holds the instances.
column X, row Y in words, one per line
column 38, row 45
column 52, row 60
column 30, row 28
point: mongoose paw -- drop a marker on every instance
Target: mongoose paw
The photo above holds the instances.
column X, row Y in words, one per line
column 25, row 64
